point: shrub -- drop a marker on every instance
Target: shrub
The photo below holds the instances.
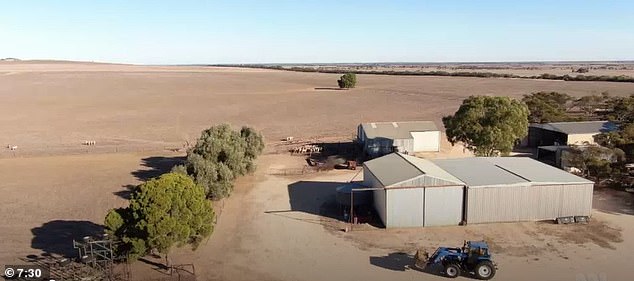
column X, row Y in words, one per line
column 220, row 156
column 347, row 81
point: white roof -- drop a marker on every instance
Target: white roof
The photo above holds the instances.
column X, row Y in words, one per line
column 396, row 167
column 396, row 130
column 490, row 171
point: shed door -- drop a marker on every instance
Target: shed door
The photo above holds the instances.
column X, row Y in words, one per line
column 426, row 141
column 443, row 205
column 405, row 207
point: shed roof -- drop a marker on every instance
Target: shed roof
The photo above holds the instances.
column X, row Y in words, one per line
column 395, row 167
column 535, row 171
column 571, row 128
column 488, row 171
column 477, row 171
column 396, row 130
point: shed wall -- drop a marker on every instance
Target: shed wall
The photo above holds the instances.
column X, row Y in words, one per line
column 404, row 145
column 580, row 139
column 527, row 203
column 424, row 180
column 443, row 205
column 369, row 179
column 379, row 205
column 404, row 207
column 426, row 141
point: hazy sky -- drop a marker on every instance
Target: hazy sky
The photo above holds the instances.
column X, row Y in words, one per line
column 173, row 32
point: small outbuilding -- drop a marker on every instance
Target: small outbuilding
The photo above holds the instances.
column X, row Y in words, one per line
column 567, row 133
column 380, row 138
column 511, row 189
column 413, row 192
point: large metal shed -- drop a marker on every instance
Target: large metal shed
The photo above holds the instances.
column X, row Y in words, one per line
column 380, row 138
column 413, row 192
column 509, row 189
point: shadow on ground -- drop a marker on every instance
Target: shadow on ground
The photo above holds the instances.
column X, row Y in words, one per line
column 56, row 237
column 399, row 261
column 156, row 166
column 329, row 88
column 314, row 197
column 126, row 193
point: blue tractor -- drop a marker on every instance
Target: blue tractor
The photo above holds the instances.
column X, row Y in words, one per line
column 473, row 257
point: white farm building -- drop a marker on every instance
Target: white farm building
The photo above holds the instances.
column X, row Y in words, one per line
column 380, row 138
column 415, row 192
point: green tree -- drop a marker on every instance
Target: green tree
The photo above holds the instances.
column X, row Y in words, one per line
column 595, row 162
column 164, row 212
column 348, row 80
column 621, row 109
column 547, row 107
column 220, row 156
column 623, row 136
column 488, row 126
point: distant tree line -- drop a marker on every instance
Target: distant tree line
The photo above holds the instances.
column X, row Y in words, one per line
column 546, row 76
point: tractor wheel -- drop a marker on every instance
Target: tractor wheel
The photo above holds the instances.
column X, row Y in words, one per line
column 485, row 270
column 452, row 270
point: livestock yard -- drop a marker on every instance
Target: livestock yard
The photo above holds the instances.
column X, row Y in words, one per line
column 78, row 135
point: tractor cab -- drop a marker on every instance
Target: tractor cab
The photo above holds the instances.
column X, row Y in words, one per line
column 476, row 251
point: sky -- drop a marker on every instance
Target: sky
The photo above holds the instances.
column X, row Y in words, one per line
column 316, row 31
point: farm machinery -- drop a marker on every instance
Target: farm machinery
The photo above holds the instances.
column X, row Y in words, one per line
column 473, row 258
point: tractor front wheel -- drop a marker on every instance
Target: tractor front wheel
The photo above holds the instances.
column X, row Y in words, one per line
column 452, row 270
column 485, row 270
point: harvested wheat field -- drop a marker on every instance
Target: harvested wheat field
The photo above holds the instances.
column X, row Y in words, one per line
column 54, row 188
column 126, row 108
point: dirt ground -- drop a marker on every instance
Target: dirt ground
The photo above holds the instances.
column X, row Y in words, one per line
column 50, row 109
column 55, row 190
column 280, row 228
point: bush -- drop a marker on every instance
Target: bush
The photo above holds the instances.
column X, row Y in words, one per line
column 347, row 81
column 167, row 211
column 220, row 156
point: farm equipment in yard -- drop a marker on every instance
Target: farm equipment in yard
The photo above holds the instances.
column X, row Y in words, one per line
column 473, row 258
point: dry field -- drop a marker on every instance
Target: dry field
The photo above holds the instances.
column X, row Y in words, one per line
column 132, row 108
column 55, row 189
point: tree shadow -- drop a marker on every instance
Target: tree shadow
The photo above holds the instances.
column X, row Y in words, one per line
column 56, row 237
column 156, row 166
column 329, row 89
column 126, row 193
column 313, row 197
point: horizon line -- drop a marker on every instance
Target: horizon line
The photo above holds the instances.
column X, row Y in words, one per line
column 325, row 63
